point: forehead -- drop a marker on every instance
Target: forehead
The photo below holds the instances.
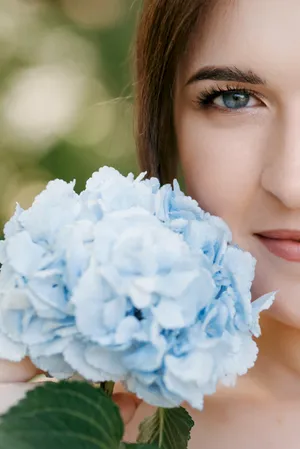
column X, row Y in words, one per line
column 257, row 34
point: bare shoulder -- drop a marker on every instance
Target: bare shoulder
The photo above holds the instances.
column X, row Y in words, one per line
column 225, row 420
column 226, row 417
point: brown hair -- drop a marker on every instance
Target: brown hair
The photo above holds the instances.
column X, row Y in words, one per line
column 164, row 30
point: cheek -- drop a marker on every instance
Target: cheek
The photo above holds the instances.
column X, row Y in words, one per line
column 222, row 160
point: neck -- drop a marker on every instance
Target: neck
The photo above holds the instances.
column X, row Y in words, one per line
column 277, row 369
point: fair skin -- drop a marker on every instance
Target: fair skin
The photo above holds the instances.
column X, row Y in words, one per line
column 243, row 164
column 14, row 385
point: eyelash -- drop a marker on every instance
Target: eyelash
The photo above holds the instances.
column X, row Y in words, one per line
column 206, row 97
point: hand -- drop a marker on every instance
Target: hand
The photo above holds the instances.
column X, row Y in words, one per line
column 11, row 393
column 13, row 387
column 17, row 372
column 13, row 378
column 128, row 404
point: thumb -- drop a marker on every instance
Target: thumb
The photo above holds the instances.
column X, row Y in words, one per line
column 17, row 372
column 128, row 404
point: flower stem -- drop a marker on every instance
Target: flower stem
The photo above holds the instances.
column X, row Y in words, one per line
column 108, row 387
column 161, row 426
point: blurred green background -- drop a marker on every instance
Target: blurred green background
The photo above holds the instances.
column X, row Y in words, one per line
column 65, row 93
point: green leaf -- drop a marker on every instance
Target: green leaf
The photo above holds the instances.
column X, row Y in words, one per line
column 137, row 446
column 167, row 428
column 65, row 415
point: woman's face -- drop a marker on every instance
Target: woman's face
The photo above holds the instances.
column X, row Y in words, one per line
column 240, row 149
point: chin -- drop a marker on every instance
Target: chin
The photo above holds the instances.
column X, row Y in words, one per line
column 286, row 307
column 275, row 274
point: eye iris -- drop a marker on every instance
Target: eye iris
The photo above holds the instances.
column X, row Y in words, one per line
column 235, row 100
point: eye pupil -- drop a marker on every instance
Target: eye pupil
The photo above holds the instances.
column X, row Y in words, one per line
column 235, row 100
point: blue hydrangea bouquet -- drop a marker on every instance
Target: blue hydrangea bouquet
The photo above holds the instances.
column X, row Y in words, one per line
column 128, row 281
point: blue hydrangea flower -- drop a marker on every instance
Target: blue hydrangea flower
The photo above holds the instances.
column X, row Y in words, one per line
column 125, row 295
column 111, row 191
column 218, row 345
column 128, row 281
column 172, row 203
column 36, row 315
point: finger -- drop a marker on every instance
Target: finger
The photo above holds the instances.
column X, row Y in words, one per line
column 10, row 394
column 128, row 404
column 17, row 372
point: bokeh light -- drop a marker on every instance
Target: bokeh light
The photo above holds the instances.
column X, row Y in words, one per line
column 95, row 13
column 65, row 93
column 42, row 103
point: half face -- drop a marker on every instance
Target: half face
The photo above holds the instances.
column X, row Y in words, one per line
column 237, row 121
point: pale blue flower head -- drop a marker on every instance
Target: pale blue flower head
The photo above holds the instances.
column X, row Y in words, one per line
column 111, row 191
column 128, row 281
column 142, row 280
column 172, row 203
column 217, row 345
column 35, row 312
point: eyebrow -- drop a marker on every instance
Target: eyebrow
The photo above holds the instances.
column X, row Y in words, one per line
column 226, row 74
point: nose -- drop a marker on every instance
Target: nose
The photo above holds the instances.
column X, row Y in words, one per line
column 281, row 175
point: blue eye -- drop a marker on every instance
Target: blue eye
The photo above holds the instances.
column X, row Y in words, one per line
column 233, row 100
column 228, row 99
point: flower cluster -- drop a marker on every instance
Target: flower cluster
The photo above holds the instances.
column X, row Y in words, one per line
column 128, row 281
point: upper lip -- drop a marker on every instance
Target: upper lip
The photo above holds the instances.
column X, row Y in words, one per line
column 280, row 234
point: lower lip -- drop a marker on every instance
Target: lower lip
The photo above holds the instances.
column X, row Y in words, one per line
column 285, row 249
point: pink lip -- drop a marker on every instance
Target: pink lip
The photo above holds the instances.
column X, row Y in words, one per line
column 282, row 243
